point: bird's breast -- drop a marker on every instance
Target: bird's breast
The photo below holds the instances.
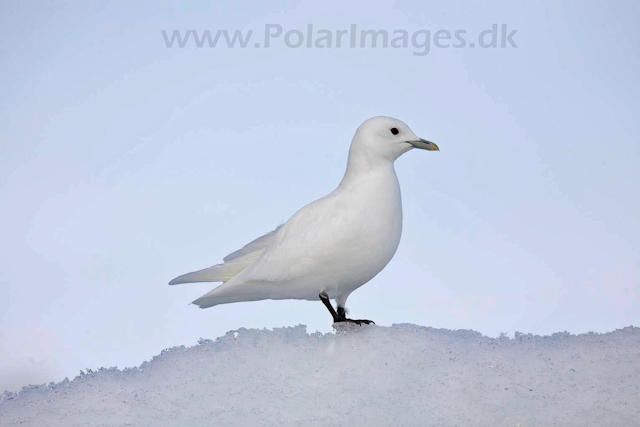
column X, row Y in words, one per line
column 372, row 228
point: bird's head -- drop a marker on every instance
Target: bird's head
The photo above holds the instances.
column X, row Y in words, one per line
column 388, row 138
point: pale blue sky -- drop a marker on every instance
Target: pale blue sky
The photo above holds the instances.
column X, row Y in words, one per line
column 124, row 163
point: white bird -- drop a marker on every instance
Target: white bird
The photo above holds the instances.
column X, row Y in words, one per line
column 332, row 246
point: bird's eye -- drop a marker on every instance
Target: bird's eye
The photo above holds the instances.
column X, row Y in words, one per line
column 394, row 131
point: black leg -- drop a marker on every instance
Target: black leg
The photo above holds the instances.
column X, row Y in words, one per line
column 341, row 315
column 325, row 300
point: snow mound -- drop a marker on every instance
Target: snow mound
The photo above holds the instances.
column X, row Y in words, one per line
column 361, row 376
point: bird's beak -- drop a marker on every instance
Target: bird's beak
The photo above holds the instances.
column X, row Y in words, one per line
column 424, row 145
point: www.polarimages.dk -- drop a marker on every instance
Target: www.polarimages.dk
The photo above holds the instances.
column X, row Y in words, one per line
column 498, row 36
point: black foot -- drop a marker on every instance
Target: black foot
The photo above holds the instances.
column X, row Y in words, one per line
column 341, row 315
column 358, row 321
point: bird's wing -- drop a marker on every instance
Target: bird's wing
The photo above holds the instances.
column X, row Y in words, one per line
column 234, row 263
column 316, row 235
column 255, row 245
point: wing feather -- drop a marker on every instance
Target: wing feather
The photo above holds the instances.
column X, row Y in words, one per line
column 258, row 244
column 234, row 263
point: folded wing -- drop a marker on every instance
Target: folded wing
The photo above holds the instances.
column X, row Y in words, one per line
column 234, row 263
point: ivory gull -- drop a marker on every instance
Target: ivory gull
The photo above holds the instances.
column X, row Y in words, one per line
column 332, row 246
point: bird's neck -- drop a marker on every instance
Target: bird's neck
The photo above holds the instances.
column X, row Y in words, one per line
column 362, row 164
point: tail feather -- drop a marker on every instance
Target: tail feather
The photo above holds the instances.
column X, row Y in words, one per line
column 220, row 272
column 232, row 292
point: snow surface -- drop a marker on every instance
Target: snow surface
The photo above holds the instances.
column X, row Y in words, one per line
column 361, row 376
